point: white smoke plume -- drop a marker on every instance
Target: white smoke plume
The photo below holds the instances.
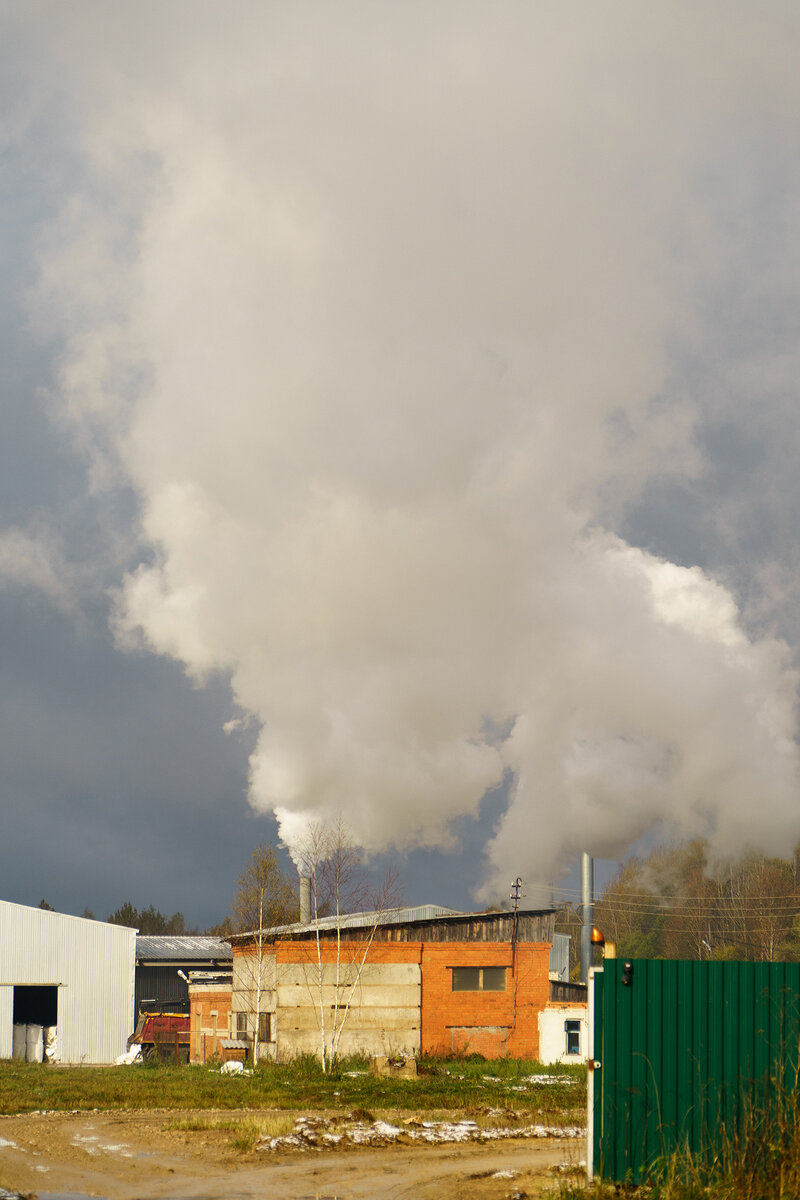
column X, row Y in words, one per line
column 382, row 309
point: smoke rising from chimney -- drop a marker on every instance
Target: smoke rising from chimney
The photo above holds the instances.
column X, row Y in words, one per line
column 389, row 343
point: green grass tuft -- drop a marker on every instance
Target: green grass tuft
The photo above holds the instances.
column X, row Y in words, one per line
column 456, row 1086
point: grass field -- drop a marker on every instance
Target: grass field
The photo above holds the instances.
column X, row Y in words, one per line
column 453, row 1086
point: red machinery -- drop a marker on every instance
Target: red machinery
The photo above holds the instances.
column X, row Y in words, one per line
column 163, row 1035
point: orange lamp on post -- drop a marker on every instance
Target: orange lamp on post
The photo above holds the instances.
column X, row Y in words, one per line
column 598, row 939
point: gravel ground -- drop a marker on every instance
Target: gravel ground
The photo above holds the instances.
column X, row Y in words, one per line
column 136, row 1156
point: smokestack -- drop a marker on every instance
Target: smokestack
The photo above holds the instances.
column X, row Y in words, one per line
column 587, row 912
column 305, row 900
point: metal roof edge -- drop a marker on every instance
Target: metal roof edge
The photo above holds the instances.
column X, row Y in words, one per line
column 49, row 912
column 358, row 920
column 163, row 948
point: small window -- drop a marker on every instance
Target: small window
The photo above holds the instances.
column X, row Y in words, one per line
column 573, row 1032
column 241, row 1024
column 479, row 979
column 264, row 1027
column 493, row 979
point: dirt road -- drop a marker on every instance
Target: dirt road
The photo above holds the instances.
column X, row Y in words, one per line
column 136, row 1156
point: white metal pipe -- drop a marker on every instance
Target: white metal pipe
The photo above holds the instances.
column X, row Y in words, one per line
column 587, row 913
column 305, row 900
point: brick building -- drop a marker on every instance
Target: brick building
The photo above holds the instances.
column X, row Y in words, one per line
column 209, row 1015
column 411, row 981
column 164, row 964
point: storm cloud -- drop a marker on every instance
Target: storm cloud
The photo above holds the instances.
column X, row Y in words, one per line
column 449, row 356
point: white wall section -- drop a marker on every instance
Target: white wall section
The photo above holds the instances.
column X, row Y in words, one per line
column 92, row 965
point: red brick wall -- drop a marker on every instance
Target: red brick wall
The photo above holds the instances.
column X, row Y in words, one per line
column 489, row 1023
column 494, row 1024
column 379, row 952
column 203, row 1002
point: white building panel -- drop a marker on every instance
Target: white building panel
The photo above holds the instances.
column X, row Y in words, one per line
column 563, row 1034
column 6, row 1022
column 90, row 963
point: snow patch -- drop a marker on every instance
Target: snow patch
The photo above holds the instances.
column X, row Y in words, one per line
column 314, row 1132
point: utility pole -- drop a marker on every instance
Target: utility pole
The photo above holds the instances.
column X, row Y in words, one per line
column 587, row 913
column 516, row 888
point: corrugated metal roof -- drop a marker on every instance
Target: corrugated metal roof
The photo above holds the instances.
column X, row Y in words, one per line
column 154, row 948
column 392, row 916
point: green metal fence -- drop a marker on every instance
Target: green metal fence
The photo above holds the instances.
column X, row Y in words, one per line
column 685, row 1053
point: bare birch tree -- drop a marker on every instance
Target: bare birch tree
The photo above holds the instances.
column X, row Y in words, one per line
column 339, row 885
column 264, row 898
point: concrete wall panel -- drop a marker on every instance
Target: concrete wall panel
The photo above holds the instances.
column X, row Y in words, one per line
column 391, row 974
column 354, row 1041
column 390, row 1019
column 369, row 996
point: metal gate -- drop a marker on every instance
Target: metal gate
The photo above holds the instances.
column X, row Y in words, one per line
column 683, row 1052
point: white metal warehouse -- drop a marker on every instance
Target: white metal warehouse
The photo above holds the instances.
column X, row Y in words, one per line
column 68, row 974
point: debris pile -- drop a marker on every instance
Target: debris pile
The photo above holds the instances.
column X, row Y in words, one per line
column 399, row 1067
column 234, row 1067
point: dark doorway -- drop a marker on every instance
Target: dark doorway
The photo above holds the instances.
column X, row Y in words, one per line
column 35, row 1005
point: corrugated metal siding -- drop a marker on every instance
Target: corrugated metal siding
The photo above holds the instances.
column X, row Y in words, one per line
column 424, row 912
column 163, row 984
column 6, row 1019
column 93, row 963
column 559, row 956
column 685, row 1049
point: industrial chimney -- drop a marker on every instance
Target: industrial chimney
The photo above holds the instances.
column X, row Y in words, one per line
column 305, row 900
column 587, row 913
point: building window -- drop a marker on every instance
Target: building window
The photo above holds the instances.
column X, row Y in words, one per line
column 265, row 1027
column 573, row 1031
column 241, row 1024
column 479, row 979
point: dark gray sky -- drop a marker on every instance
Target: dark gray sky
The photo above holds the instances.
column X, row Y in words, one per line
column 400, row 420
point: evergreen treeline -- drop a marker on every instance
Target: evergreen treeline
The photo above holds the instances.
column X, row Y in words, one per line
column 149, row 920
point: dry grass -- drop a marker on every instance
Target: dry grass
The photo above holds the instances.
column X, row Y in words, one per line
column 254, row 1129
column 755, row 1157
column 247, row 1130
